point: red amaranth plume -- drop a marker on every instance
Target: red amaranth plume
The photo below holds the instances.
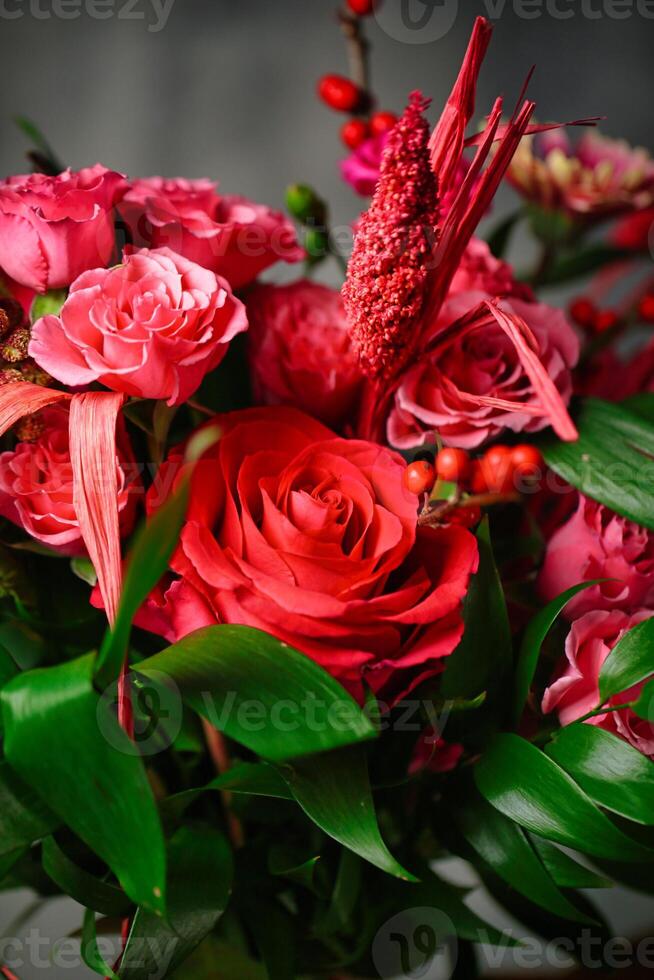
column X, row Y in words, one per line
column 388, row 272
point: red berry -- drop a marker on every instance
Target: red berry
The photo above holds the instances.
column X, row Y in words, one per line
column 362, row 8
column 526, row 458
column 606, row 320
column 354, row 132
column 453, row 465
column 496, row 470
column 339, row 93
column 583, row 311
column 465, row 516
column 419, row 476
column 381, row 122
column 646, row 308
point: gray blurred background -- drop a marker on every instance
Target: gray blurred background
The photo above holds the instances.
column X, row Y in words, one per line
column 226, row 89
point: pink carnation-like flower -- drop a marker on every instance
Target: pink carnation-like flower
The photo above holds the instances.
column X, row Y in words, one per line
column 54, row 228
column 575, row 692
column 36, row 487
column 151, row 327
column 598, row 178
column 474, row 386
column 596, row 543
column 300, row 350
column 230, row 235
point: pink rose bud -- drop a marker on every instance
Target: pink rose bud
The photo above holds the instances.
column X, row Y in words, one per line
column 151, row 327
column 54, row 228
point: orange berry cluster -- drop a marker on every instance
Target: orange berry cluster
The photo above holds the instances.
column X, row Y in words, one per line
column 344, row 95
column 497, row 471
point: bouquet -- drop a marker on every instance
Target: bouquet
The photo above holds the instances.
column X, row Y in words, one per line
column 306, row 590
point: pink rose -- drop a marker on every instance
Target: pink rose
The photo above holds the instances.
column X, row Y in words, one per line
column 313, row 538
column 300, row 350
column 576, row 690
column 230, row 235
column 449, row 390
column 597, row 543
column 36, row 486
column 480, row 270
column 151, row 327
column 54, row 228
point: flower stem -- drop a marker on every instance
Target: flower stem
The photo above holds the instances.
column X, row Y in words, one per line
column 603, row 710
column 357, row 49
column 219, row 753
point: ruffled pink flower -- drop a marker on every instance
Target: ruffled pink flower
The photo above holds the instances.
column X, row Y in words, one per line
column 480, row 270
column 54, row 228
column 234, row 237
column 300, row 351
column 151, row 327
column 36, row 487
column 598, row 178
column 474, row 386
column 596, row 543
column 575, row 692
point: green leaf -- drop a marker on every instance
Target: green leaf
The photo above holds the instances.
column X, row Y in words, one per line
column 88, row 772
column 642, row 405
column 260, row 692
column 566, row 872
column 530, row 788
column 644, row 706
column 482, row 661
column 84, row 569
column 89, row 948
column 24, row 816
column 532, row 642
column 282, row 864
column 611, row 772
column 149, row 559
column 45, row 157
column 334, row 791
column 582, row 262
column 200, row 874
column 256, row 779
column 612, row 461
column 630, row 661
column 504, row 846
column 272, row 928
column 85, row 888
column 47, row 304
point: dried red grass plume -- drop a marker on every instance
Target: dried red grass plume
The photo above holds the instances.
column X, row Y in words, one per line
column 388, row 272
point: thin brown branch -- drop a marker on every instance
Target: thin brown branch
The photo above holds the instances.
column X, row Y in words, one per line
column 220, row 757
column 358, row 49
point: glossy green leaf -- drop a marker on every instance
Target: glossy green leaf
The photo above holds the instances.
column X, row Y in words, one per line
column 260, row 692
column 89, row 948
column 530, row 788
column 200, row 872
column 149, row 559
column 484, row 655
column 630, row 661
column 532, row 642
column 642, row 405
column 643, row 706
column 282, row 865
column 504, row 846
column 24, row 815
column 611, row 772
column 85, row 888
column 334, row 790
column 565, row 871
column 274, row 936
column 612, row 461
column 249, row 778
column 65, row 742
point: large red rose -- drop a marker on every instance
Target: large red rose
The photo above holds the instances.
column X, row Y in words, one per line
column 312, row 538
